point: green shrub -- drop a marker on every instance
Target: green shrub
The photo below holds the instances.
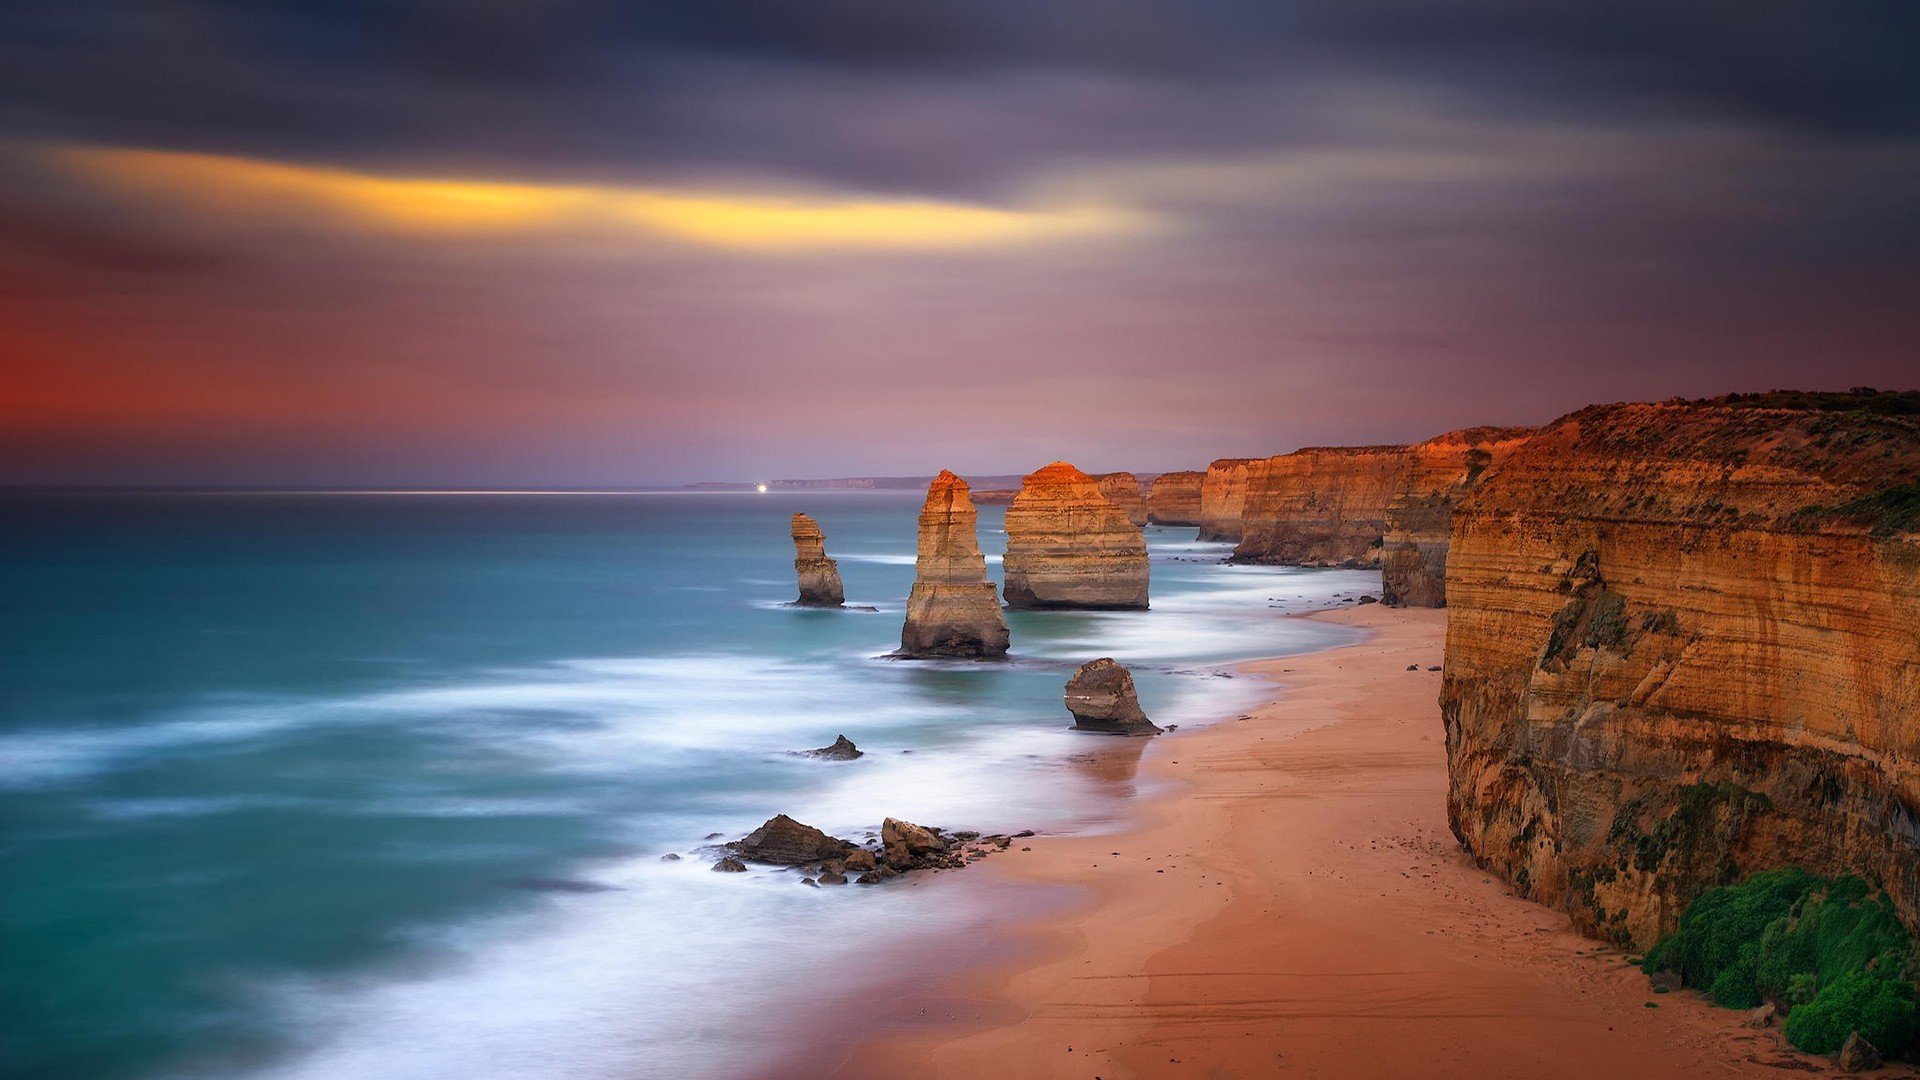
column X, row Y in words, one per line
column 1879, row 1004
column 1832, row 950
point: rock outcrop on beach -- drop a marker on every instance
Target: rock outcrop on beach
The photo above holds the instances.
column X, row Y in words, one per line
column 1321, row 506
column 1122, row 489
column 953, row 609
column 819, row 576
column 1174, row 498
column 1413, row 554
column 1683, row 645
column 1068, row 546
column 1223, row 496
column 1101, row 698
column 783, row 841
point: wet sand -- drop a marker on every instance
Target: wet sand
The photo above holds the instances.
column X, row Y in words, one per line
column 1293, row 904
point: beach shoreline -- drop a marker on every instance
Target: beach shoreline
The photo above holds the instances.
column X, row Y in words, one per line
column 1288, row 899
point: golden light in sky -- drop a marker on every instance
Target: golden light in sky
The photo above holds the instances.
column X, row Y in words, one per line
column 747, row 222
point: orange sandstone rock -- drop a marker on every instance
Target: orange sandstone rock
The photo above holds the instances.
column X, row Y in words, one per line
column 819, row 576
column 1174, row 498
column 1683, row 645
column 1069, row 547
column 1122, row 489
column 1101, row 698
column 1413, row 555
column 1321, row 506
column 1223, row 496
column 952, row 610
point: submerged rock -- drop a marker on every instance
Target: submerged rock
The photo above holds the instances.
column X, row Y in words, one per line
column 786, row 842
column 1101, row 698
column 953, row 609
column 841, row 750
column 819, row 576
column 730, row 865
column 1070, row 546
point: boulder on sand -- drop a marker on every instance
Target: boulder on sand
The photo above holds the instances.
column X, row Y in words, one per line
column 1101, row 698
column 786, row 842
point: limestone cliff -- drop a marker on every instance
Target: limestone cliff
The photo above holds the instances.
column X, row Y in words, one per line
column 1069, row 547
column 952, row 610
column 1174, row 498
column 1122, row 489
column 1223, row 495
column 1683, row 645
column 1413, row 554
column 1322, row 506
column 819, row 576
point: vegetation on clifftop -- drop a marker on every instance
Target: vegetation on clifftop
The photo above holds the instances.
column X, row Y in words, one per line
column 1830, row 951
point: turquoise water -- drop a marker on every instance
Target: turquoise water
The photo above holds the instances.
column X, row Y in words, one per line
column 379, row 785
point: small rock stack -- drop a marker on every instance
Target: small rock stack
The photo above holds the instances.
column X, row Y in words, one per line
column 819, row 576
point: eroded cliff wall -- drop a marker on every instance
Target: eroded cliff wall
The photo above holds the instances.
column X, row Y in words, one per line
column 1321, row 506
column 1122, row 489
column 1223, row 495
column 1683, row 645
column 1413, row 552
column 1174, row 498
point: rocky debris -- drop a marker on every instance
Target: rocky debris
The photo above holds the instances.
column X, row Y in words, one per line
column 862, row 860
column 841, row 750
column 1369, row 599
column 1070, row 546
column 730, row 865
column 953, row 610
column 1858, row 1055
column 1664, row 982
column 1122, row 489
column 1101, row 698
column 1174, row 498
column 819, row 576
column 832, row 877
column 786, row 842
column 671, row 856
column 1764, row 1017
column 871, row 877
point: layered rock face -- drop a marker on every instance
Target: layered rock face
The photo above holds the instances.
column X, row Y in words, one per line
column 1101, row 698
column 1122, row 489
column 1174, row 498
column 1322, row 506
column 1683, row 645
column 1223, row 496
column 1413, row 553
column 953, row 609
column 1069, row 547
column 819, row 576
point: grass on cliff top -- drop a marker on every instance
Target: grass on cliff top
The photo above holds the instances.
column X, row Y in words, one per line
column 1863, row 399
column 1830, row 951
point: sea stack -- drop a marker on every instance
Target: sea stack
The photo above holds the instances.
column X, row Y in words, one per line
column 1174, row 498
column 1122, row 489
column 819, row 576
column 1068, row 546
column 952, row 610
column 1100, row 696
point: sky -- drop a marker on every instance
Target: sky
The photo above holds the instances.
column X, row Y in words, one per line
column 577, row 243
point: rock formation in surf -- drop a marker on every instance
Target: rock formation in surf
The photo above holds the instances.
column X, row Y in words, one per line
column 1101, row 698
column 1122, row 489
column 1683, row 645
column 1413, row 554
column 786, row 842
column 1069, row 547
column 1174, row 498
column 1223, row 495
column 1321, row 506
column 953, row 609
column 819, row 576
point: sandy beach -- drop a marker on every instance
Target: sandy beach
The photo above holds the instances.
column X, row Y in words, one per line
column 1294, row 903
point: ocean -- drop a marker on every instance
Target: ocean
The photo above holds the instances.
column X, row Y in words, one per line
column 380, row 785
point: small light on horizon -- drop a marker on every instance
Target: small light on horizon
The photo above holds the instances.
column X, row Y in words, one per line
column 763, row 489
